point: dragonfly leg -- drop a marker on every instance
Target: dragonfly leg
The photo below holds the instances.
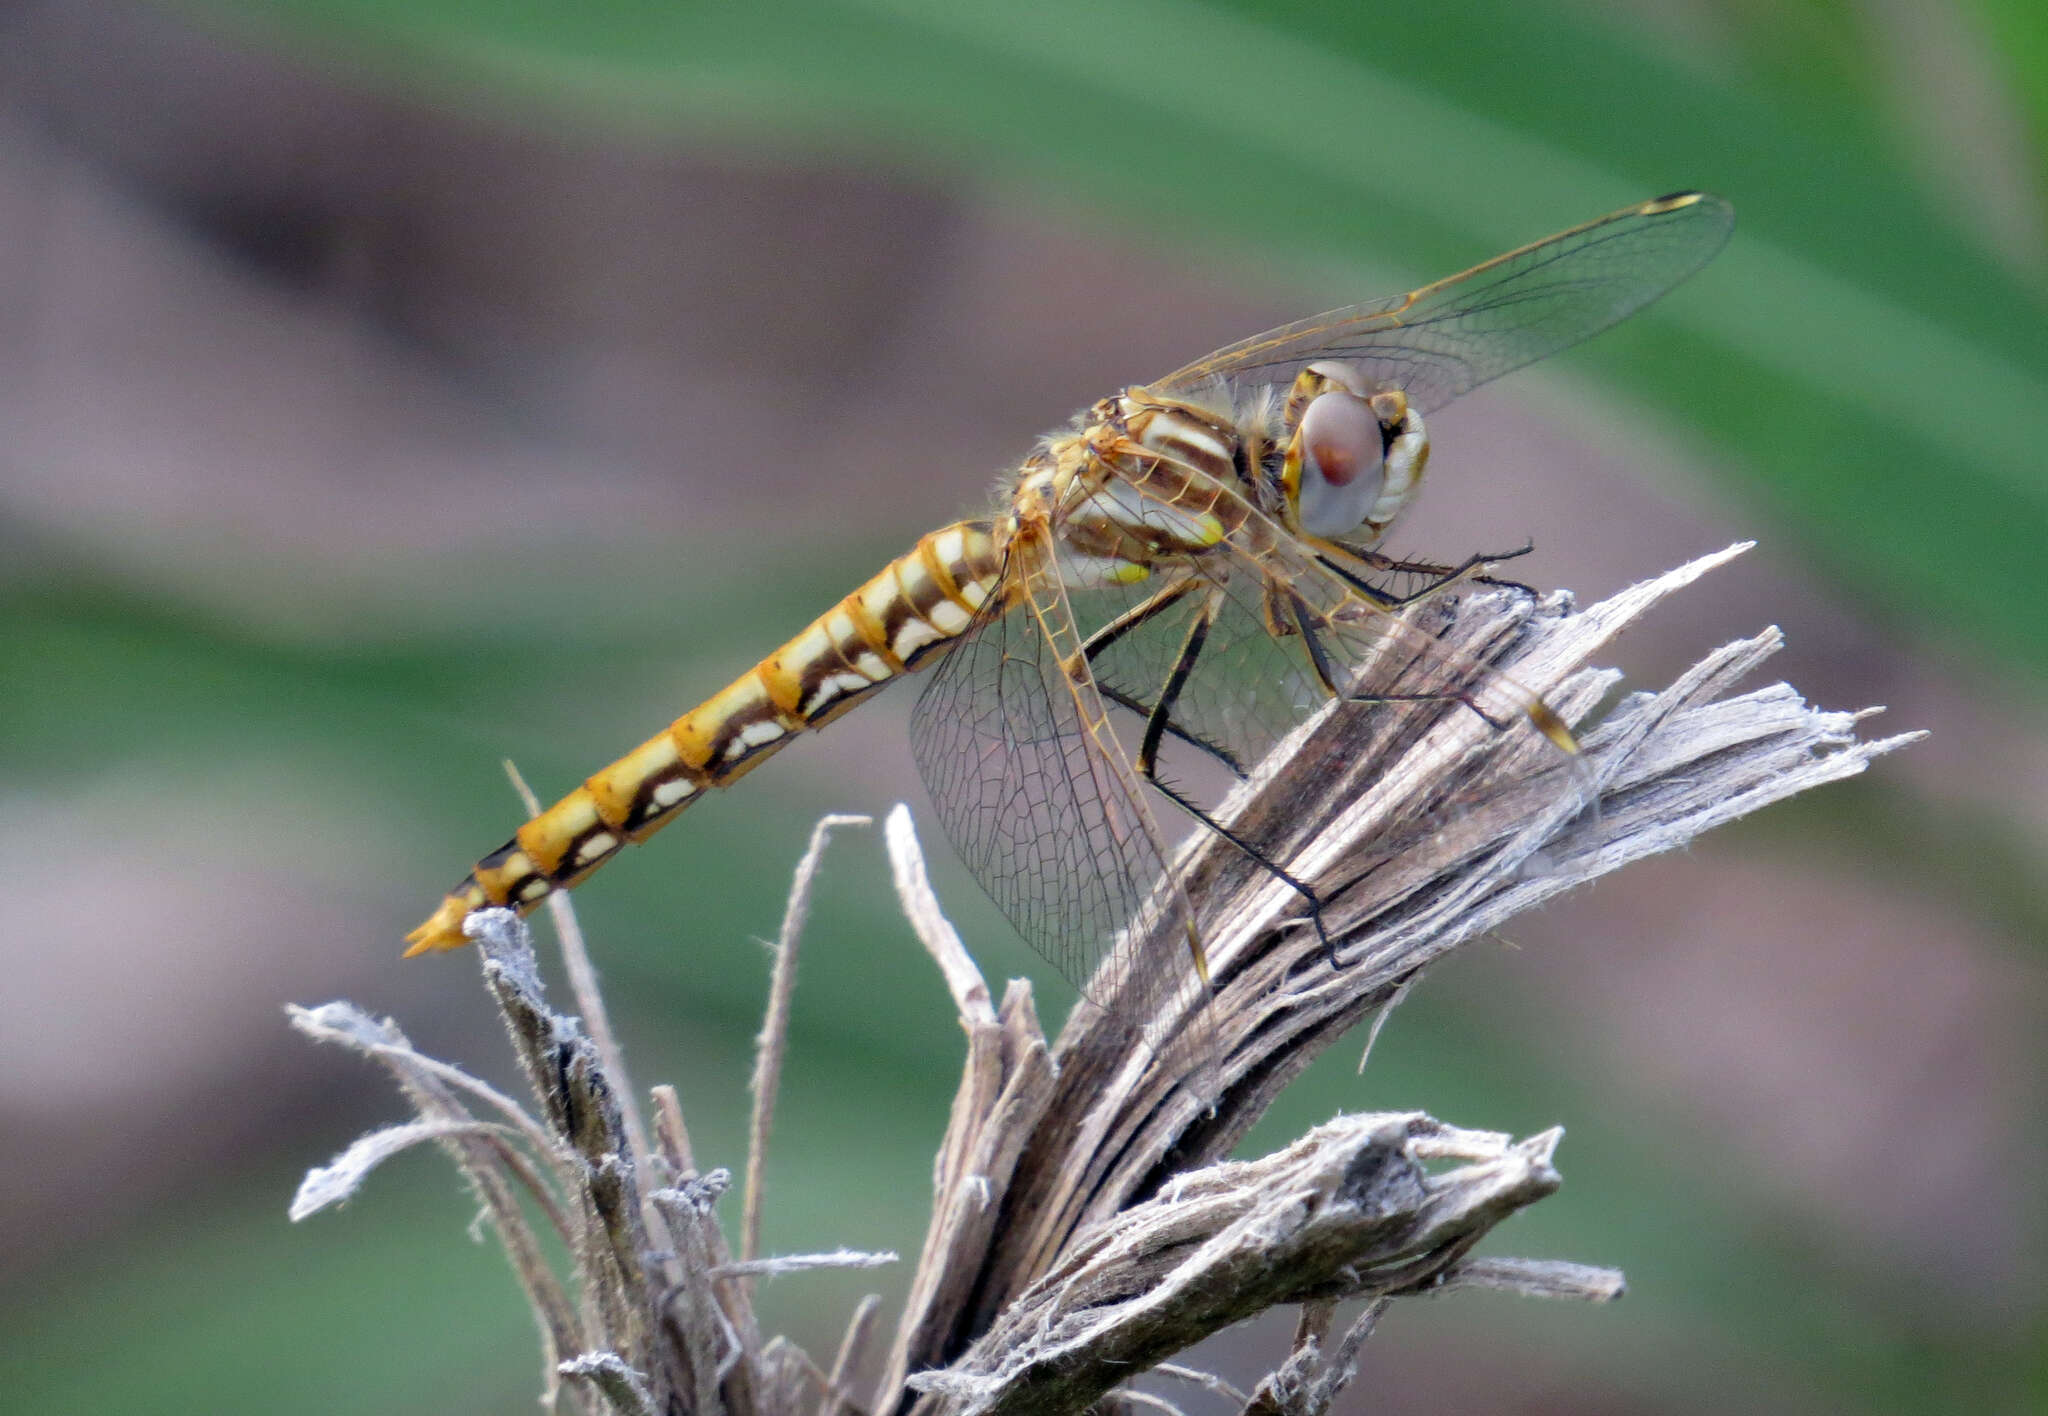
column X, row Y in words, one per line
column 1440, row 577
column 1164, row 599
column 1123, row 624
column 1538, row 712
column 1443, row 575
column 1158, row 723
column 1452, row 574
column 1318, row 656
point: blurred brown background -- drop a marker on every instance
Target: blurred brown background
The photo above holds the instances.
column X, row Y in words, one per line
column 370, row 418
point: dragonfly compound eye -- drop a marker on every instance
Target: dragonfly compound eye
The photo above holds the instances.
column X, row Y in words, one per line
column 1340, row 453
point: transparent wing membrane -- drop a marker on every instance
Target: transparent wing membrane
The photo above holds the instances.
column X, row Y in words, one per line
column 1046, row 813
column 1447, row 338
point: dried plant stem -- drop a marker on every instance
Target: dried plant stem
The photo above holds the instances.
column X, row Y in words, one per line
column 774, row 1037
column 837, row 1399
column 1207, row 1381
column 1348, row 1211
column 582, row 976
column 1084, row 1228
column 493, row 1171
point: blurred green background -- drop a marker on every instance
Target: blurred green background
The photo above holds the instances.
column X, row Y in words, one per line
column 395, row 387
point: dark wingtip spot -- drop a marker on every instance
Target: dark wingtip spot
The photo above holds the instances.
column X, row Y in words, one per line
column 1672, row 201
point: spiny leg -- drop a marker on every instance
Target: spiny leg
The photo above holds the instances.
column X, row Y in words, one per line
column 1539, row 713
column 1440, row 577
column 1313, row 642
column 1158, row 723
column 1319, row 656
column 1450, row 574
column 1123, row 624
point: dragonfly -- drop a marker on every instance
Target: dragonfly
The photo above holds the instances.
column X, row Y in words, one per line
column 1191, row 566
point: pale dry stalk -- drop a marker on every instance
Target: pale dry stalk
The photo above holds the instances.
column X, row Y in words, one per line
column 1085, row 1225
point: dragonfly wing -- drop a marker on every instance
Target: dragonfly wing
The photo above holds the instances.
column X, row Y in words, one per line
column 1446, row 339
column 1036, row 794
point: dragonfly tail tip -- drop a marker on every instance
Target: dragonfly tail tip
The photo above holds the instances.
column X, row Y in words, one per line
column 442, row 930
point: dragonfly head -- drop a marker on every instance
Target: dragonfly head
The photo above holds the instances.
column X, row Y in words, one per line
column 1355, row 454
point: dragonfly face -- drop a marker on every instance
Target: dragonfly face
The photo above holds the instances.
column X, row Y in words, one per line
column 1355, row 454
column 1194, row 557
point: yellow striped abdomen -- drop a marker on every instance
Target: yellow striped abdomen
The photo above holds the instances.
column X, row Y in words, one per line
column 897, row 622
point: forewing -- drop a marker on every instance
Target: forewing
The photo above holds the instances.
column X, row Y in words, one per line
column 1448, row 338
column 1046, row 817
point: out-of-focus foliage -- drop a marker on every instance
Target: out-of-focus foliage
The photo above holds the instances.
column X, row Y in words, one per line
column 1877, row 375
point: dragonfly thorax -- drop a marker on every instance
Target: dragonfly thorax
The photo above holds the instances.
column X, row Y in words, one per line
column 1142, row 484
column 1145, row 480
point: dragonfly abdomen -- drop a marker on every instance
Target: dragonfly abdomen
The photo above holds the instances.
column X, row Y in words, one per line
column 897, row 622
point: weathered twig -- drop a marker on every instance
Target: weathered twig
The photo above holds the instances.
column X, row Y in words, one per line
column 582, row 976
column 623, row 1387
column 838, row 1396
column 1348, row 1211
column 495, row 1171
column 800, row 1263
column 1361, row 804
column 774, row 1038
column 564, row 1069
column 1004, row 1085
column 1082, row 1229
